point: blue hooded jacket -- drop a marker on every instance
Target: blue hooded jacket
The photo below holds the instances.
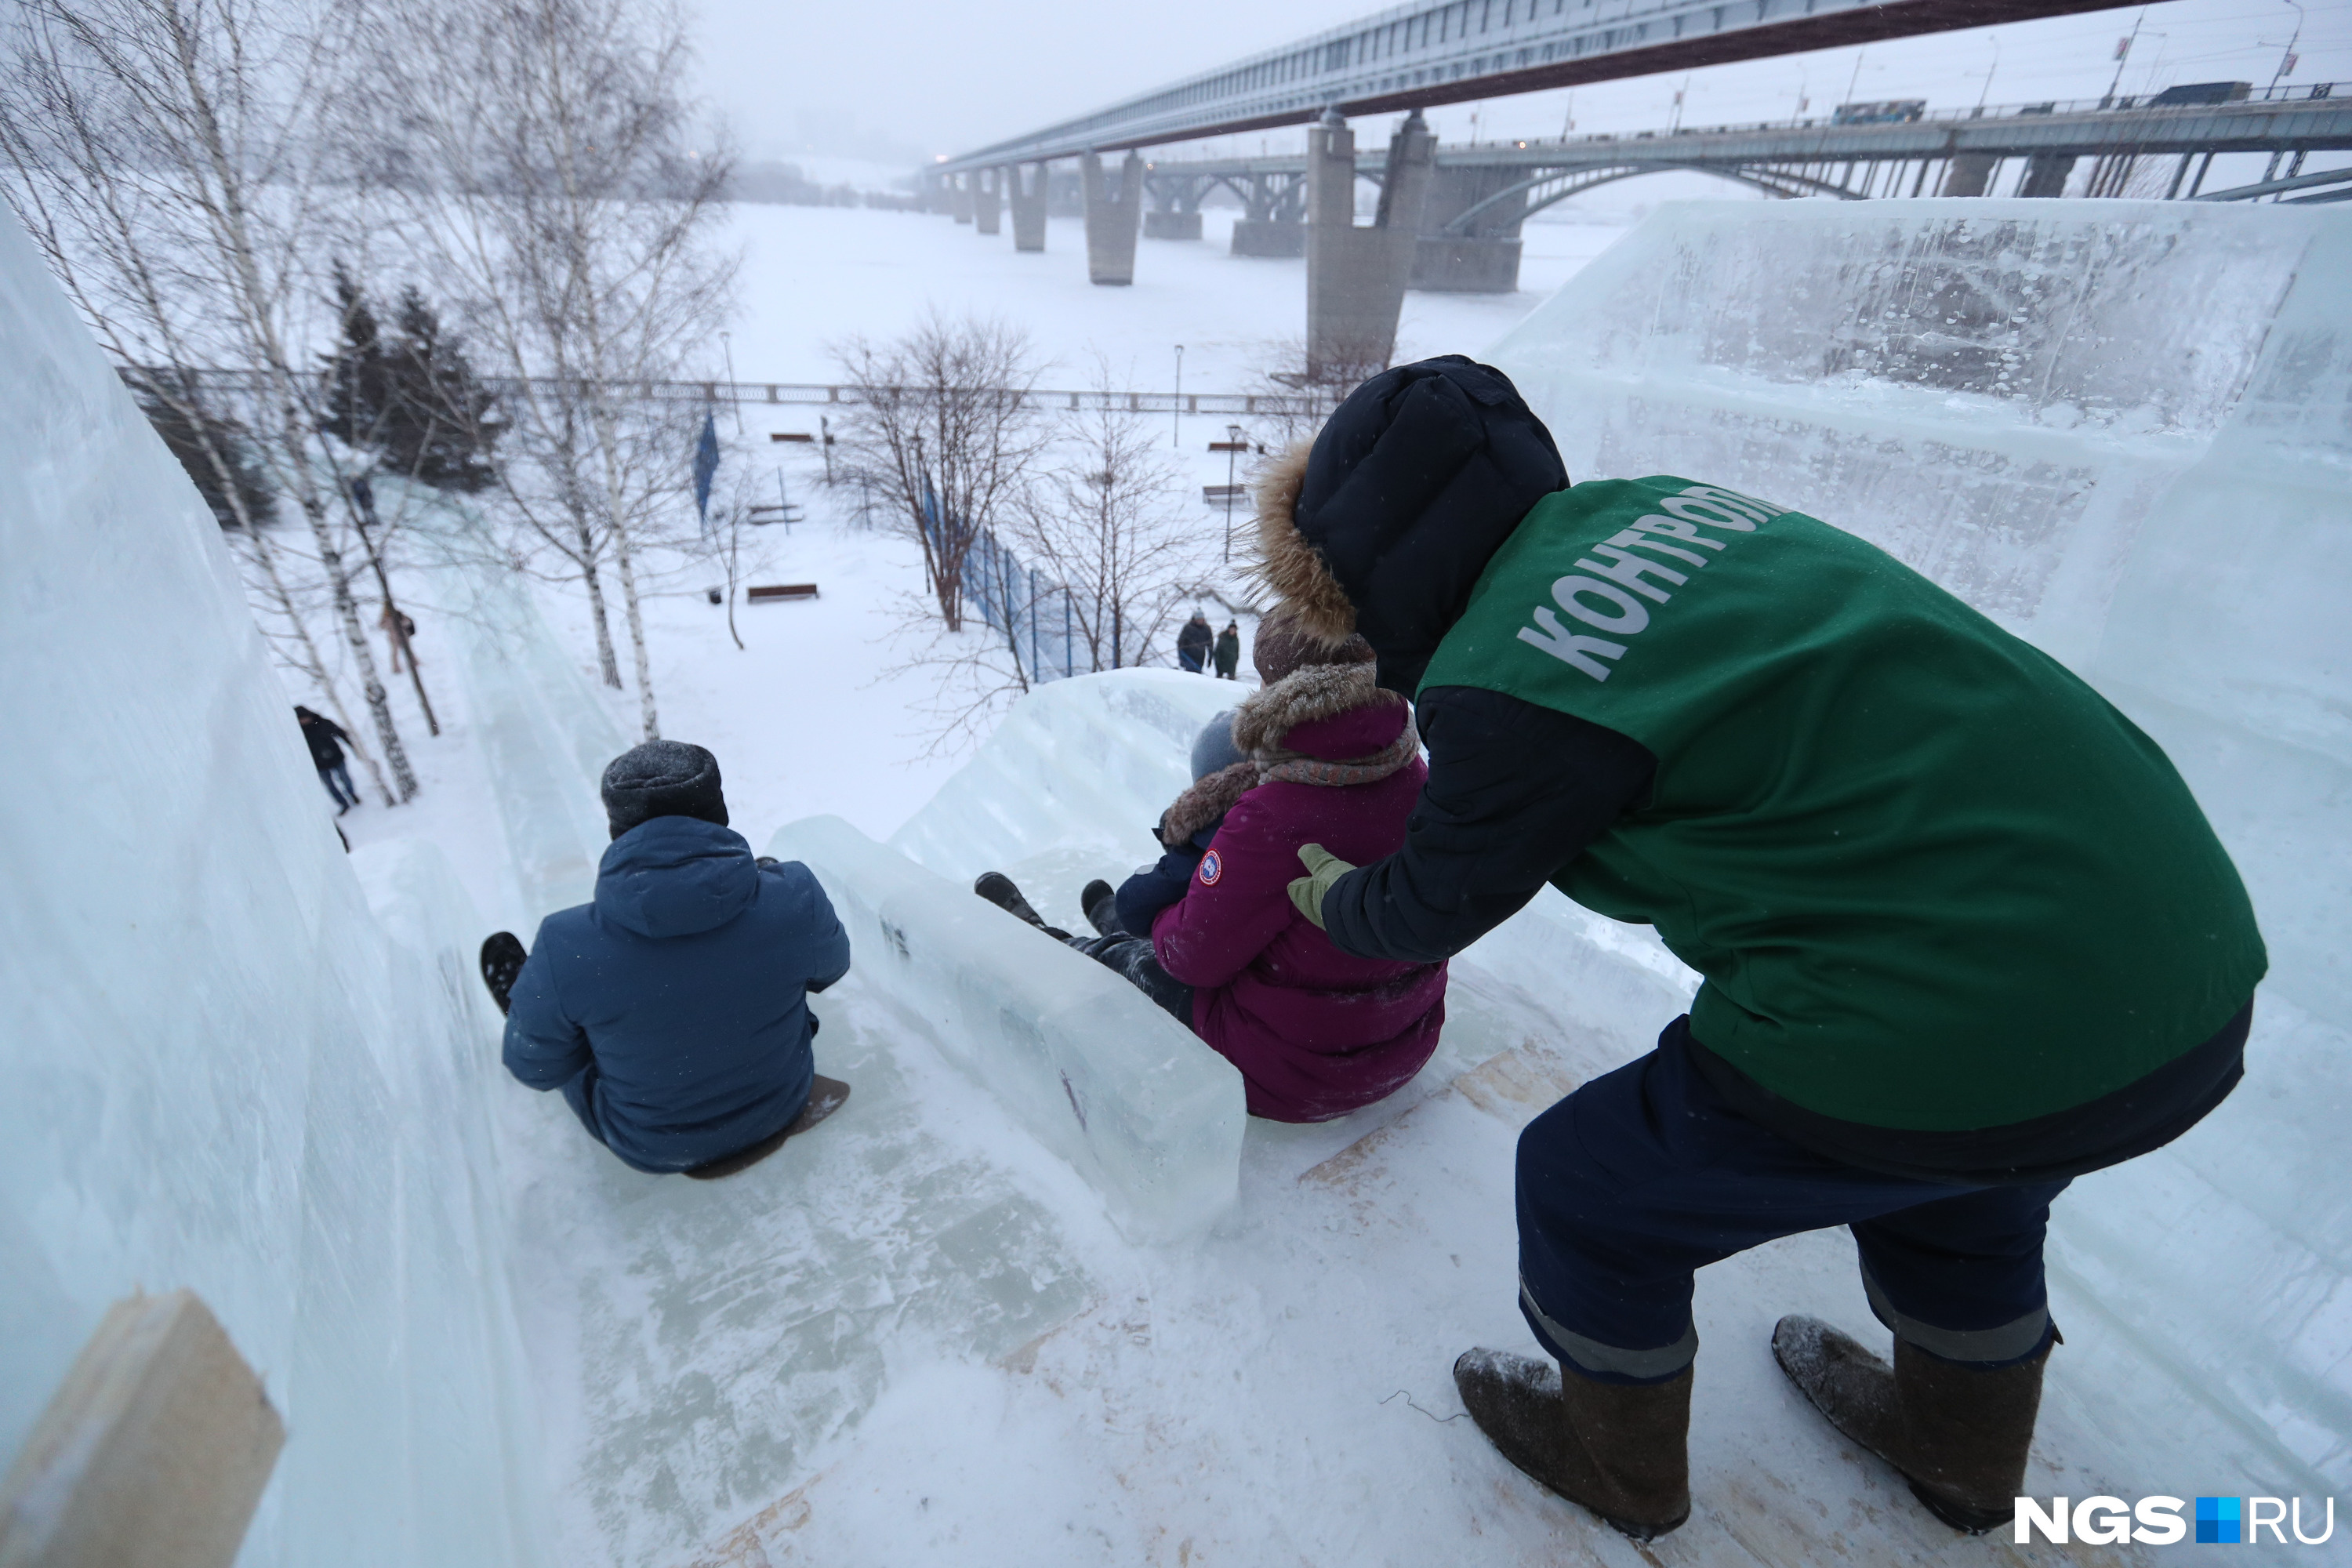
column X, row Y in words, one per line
column 674, row 1007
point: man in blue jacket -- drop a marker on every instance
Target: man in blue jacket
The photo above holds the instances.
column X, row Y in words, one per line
column 672, row 1011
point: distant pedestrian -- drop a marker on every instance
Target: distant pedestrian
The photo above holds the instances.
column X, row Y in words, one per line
column 403, row 633
column 321, row 734
column 1193, row 642
column 1229, row 650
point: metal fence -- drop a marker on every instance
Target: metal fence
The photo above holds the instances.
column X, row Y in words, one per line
column 1310, row 403
column 1041, row 620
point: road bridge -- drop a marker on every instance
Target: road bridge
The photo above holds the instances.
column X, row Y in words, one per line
column 1448, row 218
column 1481, row 193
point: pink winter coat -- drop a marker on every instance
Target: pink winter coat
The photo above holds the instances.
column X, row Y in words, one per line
column 1316, row 1032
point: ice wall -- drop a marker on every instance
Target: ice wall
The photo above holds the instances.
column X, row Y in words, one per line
column 223, row 1071
column 1098, row 1074
column 2125, row 430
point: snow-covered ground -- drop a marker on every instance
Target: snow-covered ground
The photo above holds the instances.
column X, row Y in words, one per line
column 920, row 1334
column 815, row 275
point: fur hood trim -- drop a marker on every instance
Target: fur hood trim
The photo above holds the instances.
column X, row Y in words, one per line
column 1210, row 797
column 1318, row 692
column 1287, row 564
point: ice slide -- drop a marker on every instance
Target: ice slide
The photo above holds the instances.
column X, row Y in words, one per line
column 1004, row 1311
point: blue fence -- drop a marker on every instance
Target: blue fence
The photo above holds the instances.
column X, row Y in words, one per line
column 1039, row 619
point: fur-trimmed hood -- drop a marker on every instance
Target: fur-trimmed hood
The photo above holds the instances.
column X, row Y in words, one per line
column 1266, row 722
column 1292, row 569
column 1383, row 524
column 1268, row 715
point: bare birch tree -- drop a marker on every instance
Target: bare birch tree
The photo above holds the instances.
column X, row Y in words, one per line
column 1107, row 524
column 943, row 436
column 165, row 157
column 539, row 149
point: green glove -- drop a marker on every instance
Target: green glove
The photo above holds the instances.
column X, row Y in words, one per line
column 1323, row 869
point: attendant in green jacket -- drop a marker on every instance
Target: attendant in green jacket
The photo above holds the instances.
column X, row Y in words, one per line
column 1963, row 932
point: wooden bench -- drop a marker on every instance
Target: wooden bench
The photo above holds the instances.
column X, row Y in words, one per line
column 1216, row 495
column 778, row 592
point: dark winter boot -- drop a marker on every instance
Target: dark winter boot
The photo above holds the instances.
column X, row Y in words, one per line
column 1620, row 1450
column 1101, row 906
column 1958, row 1434
column 502, row 959
column 825, row 1095
column 998, row 889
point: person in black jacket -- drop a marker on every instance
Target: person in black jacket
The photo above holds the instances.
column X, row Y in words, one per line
column 1964, row 932
column 1193, row 642
column 321, row 734
column 1229, row 651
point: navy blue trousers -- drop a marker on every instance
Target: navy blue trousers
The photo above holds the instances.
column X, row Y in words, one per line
column 1644, row 1175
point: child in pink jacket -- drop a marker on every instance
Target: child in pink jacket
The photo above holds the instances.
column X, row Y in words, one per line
column 1330, row 759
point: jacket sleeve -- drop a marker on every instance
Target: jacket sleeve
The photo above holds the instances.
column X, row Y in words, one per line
column 1514, row 792
column 543, row 1048
column 822, row 949
column 1142, row 896
column 1210, row 935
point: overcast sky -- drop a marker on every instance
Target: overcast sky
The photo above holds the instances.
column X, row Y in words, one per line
column 905, row 77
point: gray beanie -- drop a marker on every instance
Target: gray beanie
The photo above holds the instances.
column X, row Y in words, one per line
column 1213, row 749
column 662, row 778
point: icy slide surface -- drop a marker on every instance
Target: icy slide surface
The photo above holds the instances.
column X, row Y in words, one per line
column 2125, row 430
column 222, row 1069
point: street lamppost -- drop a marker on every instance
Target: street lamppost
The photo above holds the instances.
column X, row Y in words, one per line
column 1994, row 40
column 2286, row 58
column 727, row 346
column 1233, row 446
column 1176, row 414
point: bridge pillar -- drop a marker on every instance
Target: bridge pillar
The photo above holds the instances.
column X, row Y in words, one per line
column 988, row 201
column 1028, row 207
column 1270, row 224
column 1969, row 175
column 1486, row 259
column 1355, row 276
column 960, row 198
column 1269, row 237
column 2045, row 174
column 1175, row 209
column 1111, row 219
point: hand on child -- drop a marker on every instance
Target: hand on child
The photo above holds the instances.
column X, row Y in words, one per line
column 1323, row 869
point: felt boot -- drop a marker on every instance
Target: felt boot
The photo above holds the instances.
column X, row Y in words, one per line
column 998, row 889
column 502, row 960
column 1101, row 906
column 1619, row 1449
column 1958, row 1434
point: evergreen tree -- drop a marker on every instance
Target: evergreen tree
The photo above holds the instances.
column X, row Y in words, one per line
column 357, row 384
column 216, row 451
column 440, row 421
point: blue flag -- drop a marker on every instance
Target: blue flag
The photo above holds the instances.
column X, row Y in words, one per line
column 706, row 466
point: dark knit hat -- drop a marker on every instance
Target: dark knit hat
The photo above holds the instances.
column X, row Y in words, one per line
column 1284, row 643
column 1214, row 747
column 662, row 778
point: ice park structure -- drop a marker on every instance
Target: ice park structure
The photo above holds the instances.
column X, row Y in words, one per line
column 1041, row 1293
